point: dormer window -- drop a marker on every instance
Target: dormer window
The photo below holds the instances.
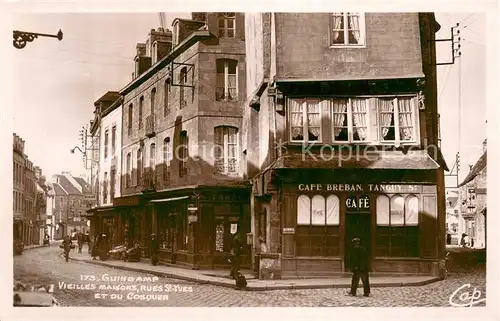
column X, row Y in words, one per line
column 154, row 53
column 175, row 40
column 227, row 24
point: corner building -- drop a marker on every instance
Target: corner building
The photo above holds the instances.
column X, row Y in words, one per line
column 341, row 141
column 182, row 118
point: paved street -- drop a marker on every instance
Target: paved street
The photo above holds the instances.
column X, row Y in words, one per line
column 45, row 265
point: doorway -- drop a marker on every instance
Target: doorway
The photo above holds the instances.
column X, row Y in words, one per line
column 357, row 224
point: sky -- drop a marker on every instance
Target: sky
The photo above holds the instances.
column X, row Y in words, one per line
column 96, row 55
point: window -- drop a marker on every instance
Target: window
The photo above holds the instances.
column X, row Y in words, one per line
column 112, row 184
column 167, row 158
column 154, row 52
column 113, row 140
column 226, row 149
column 106, row 134
column 182, row 82
column 139, row 167
column 183, row 153
column 397, row 226
column 104, row 189
column 318, row 222
column 227, row 24
column 141, row 105
column 128, row 181
column 166, row 107
column 130, row 118
column 305, row 120
column 153, row 100
column 227, row 83
column 152, row 156
column 397, row 124
column 347, row 29
column 350, row 120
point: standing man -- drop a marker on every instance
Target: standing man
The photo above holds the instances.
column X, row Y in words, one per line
column 359, row 267
column 154, row 249
column 235, row 256
column 79, row 239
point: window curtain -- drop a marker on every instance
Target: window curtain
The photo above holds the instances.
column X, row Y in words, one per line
column 303, row 210
column 297, row 120
column 386, row 109
column 232, row 149
column 318, row 210
column 397, row 211
column 339, row 114
column 405, row 119
column 313, row 120
column 219, row 149
column 336, row 25
column 359, row 117
column 411, row 212
column 353, row 18
column 332, row 210
column 231, row 86
column 383, row 210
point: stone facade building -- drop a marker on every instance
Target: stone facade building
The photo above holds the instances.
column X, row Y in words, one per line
column 340, row 140
column 181, row 156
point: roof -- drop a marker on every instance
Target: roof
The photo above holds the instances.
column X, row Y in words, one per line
column 58, row 190
column 416, row 160
column 68, row 186
column 109, row 96
column 476, row 169
column 85, row 186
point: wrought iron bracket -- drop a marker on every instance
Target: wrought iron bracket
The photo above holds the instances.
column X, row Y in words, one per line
column 455, row 52
column 171, row 72
column 21, row 38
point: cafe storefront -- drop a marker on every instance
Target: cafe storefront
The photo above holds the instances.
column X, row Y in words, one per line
column 316, row 213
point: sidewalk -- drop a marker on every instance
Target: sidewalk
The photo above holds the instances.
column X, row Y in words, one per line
column 219, row 278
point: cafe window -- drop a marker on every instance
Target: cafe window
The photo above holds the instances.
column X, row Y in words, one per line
column 397, row 226
column 317, row 225
column 305, row 120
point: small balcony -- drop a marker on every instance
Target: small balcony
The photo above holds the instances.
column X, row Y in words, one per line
column 149, row 181
column 150, row 126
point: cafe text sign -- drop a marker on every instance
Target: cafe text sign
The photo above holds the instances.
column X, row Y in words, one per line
column 353, row 203
column 361, row 188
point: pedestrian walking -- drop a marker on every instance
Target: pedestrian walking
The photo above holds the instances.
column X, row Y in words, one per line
column 154, row 249
column 79, row 240
column 471, row 242
column 235, row 256
column 359, row 265
column 67, row 246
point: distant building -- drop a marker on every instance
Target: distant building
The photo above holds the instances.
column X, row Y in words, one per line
column 473, row 201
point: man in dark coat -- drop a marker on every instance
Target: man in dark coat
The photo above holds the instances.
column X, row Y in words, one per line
column 235, row 256
column 79, row 240
column 103, row 247
column 359, row 264
column 154, row 249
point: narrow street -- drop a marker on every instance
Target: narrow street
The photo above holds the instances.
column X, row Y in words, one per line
column 46, row 266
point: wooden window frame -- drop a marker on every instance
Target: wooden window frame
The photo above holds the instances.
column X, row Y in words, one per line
column 225, row 86
column 345, row 30
column 225, row 17
column 305, row 125
column 226, row 132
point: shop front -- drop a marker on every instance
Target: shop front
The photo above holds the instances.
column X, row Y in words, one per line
column 396, row 214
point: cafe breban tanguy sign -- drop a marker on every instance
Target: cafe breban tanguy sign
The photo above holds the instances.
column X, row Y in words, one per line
column 362, row 188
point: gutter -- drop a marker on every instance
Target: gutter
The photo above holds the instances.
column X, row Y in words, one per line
column 195, row 37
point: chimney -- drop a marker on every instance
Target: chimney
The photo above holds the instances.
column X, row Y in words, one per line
column 199, row 16
column 484, row 145
column 141, row 49
column 160, row 43
column 142, row 62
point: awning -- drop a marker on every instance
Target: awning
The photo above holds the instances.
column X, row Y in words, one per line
column 172, row 199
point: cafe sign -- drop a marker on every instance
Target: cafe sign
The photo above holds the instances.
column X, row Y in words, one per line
column 354, row 203
column 361, row 188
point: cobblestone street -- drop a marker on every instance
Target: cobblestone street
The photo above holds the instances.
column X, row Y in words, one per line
column 45, row 265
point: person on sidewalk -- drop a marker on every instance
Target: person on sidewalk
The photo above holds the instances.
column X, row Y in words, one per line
column 154, row 249
column 79, row 240
column 235, row 256
column 359, row 266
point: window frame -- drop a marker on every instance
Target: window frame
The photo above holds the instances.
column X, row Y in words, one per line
column 129, row 168
column 225, row 17
column 226, row 131
column 152, row 156
column 153, row 100
column 130, row 118
column 139, row 163
column 305, row 125
column 167, row 158
column 226, row 62
column 182, row 83
column 183, row 153
column 397, row 135
column 350, row 122
column 345, row 30
column 325, row 199
column 113, row 140
column 141, row 106
column 106, row 142
column 167, row 89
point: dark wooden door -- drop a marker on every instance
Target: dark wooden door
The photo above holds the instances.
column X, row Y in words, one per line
column 357, row 224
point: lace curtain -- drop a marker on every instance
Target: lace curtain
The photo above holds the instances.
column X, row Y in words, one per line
column 297, row 119
column 405, row 119
column 359, row 117
column 313, row 120
column 353, row 18
column 318, row 210
column 386, row 109
column 303, row 210
column 337, row 18
column 339, row 114
column 411, row 211
column 397, row 211
column 332, row 210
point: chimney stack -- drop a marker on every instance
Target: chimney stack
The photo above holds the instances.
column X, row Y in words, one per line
column 199, row 16
column 485, row 145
